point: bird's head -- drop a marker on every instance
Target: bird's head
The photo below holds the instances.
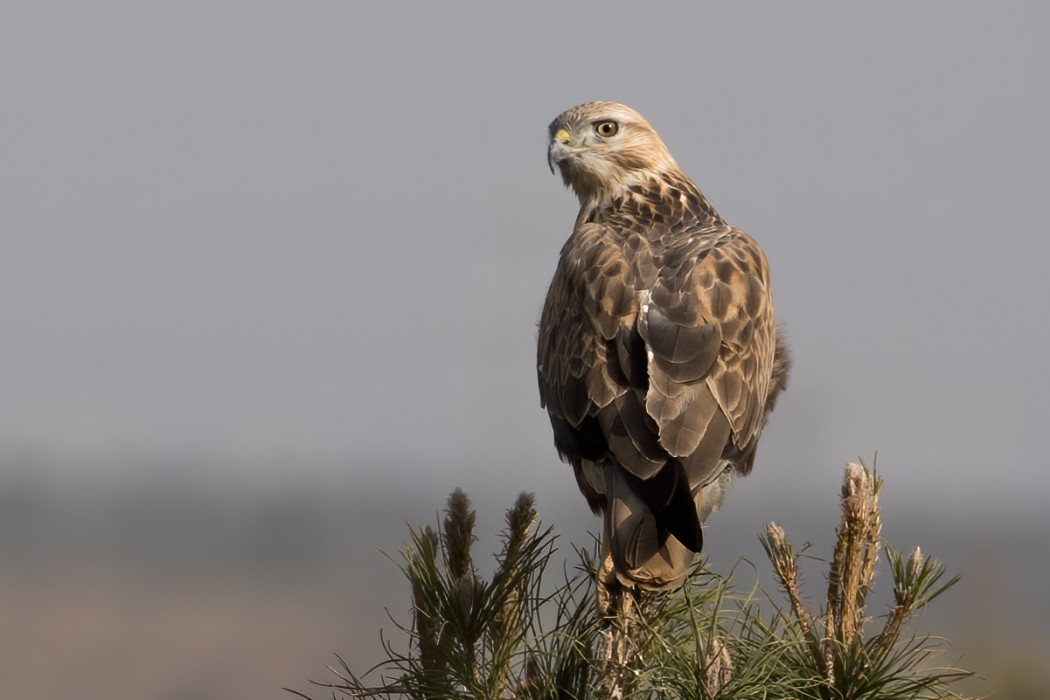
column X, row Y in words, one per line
column 603, row 147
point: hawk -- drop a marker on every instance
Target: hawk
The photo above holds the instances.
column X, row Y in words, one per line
column 658, row 357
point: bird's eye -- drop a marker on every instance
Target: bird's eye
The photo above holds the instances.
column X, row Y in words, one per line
column 606, row 129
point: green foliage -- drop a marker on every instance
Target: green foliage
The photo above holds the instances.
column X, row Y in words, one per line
column 852, row 663
column 476, row 638
column 516, row 636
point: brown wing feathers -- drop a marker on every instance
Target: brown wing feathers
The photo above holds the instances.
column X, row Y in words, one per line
column 654, row 369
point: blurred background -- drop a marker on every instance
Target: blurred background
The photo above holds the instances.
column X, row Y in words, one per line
column 270, row 274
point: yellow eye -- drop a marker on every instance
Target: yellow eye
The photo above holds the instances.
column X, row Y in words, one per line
column 606, row 129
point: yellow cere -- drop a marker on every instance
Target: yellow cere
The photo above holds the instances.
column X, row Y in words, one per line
column 562, row 136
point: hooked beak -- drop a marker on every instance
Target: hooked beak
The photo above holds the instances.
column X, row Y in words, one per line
column 558, row 149
column 556, row 153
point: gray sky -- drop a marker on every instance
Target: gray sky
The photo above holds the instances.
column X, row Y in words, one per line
column 308, row 240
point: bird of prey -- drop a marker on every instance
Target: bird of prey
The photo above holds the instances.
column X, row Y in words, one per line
column 659, row 358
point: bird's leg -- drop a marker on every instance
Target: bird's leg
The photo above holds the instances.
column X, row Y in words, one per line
column 616, row 609
column 608, row 587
